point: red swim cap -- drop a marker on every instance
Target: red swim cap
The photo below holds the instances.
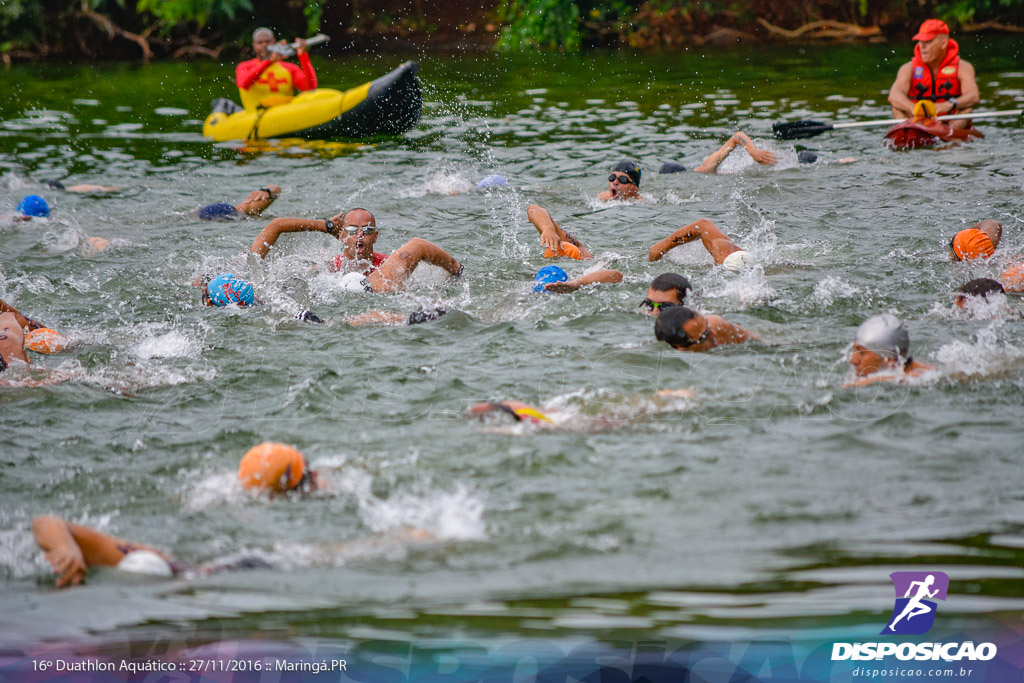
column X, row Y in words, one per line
column 272, row 467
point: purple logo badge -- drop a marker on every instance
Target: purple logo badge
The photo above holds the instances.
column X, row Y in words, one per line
column 918, row 71
column 914, row 612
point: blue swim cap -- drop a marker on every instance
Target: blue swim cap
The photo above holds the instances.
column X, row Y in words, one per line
column 547, row 275
column 227, row 289
column 34, row 205
column 492, row 181
column 218, row 211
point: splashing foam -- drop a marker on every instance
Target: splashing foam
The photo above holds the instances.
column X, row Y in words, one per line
column 831, row 288
column 985, row 357
column 173, row 344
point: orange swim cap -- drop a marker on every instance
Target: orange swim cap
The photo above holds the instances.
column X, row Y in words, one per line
column 272, row 467
column 971, row 244
column 45, row 340
column 1013, row 278
column 565, row 249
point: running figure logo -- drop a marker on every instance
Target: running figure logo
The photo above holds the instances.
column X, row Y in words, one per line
column 914, row 614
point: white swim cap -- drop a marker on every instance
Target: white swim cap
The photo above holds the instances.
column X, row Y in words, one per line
column 355, row 283
column 740, row 260
column 885, row 335
column 145, row 562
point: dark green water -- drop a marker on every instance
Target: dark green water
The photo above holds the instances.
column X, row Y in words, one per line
column 776, row 500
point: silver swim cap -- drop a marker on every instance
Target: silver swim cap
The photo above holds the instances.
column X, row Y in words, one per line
column 145, row 562
column 885, row 335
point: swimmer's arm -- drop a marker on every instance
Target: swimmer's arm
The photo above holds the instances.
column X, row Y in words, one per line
column 71, row 548
column 258, row 201
column 685, row 234
column 731, row 333
column 551, row 233
column 275, row 228
column 377, row 317
column 864, row 381
column 714, row 160
column 572, row 285
column 86, row 189
column 25, row 322
column 902, row 105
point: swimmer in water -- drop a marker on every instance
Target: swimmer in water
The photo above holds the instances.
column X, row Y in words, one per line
column 915, row 606
column 623, row 182
column 687, row 330
column 980, row 288
column 668, row 289
column 371, row 271
column 881, row 352
column 13, row 328
column 32, row 206
column 723, row 250
column 255, row 204
column 555, row 240
column 527, row 414
column 391, row 318
column 556, row 281
column 978, row 241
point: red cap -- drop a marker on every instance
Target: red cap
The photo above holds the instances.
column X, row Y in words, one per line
column 930, row 29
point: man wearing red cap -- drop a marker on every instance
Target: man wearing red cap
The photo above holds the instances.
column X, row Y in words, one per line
column 935, row 73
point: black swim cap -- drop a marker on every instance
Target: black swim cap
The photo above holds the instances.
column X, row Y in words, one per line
column 982, row 286
column 667, row 281
column 806, row 157
column 672, row 167
column 669, row 325
column 423, row 315
column 630, row 168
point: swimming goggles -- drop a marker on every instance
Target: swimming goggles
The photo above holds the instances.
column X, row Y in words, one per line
column 623, row 179
column 655, row 305
column 353, row 229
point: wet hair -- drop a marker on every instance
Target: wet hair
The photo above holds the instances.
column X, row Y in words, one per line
column 668, row 327
column 422, row 315
column 667, row 281
column 982, row 286
column 806, row 157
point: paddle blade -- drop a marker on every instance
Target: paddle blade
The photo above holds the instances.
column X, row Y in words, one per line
column 794, row 130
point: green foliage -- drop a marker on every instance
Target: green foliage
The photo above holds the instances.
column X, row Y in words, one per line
column 201, row 12
column 21, row 23
column 549, row 24
column 968, row 11
column 314, row 12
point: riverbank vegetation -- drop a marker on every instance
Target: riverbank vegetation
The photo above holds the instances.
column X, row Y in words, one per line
column 180, row 29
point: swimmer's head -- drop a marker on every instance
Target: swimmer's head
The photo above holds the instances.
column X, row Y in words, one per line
column 217, row 212
column 45, row 340
column 970, row 244
column 668, row 289
column 274, row 467
column 885, row 335
column 227, row 289
column 547, row 275
column 806, row 156
column 980, row 287
column 145, row 562
column 671, row 167
column 624, row 180
column 358, row 229
column 491, row 182
column 565, row 249
column 34, row 206
column 356, row 283
column 684, row 329
column 422, row 315
column 740, row 260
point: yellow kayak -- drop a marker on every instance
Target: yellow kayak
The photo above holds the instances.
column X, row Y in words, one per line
column 389, row 105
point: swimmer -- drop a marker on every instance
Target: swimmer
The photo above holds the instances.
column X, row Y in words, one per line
column 881, row 352
column 722, row 249
column 227, row 290
column 982, row 287
column 668, row 289
column 276, row 468
column 978, row 241
column 615, row 416
column 81, row 188
column 555, row 240
column 687, row 330
column 13, row 328
column 623, row 182
column 253, row 205
column 369, row 270
column 32, row 206
column 1013, row 278
column 555, row 280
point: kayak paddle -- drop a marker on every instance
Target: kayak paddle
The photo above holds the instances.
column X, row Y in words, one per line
column 289, row 50
column 793, row 130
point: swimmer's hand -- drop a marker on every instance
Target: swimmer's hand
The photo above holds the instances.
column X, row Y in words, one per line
column 562, row 287
column 549, row 240
column 762, row 156
column 68, row 564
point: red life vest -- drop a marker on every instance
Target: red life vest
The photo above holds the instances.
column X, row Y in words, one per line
column 937, row 87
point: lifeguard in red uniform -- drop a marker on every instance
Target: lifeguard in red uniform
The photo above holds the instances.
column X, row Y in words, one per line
column 266, row 80
column 935, row 73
